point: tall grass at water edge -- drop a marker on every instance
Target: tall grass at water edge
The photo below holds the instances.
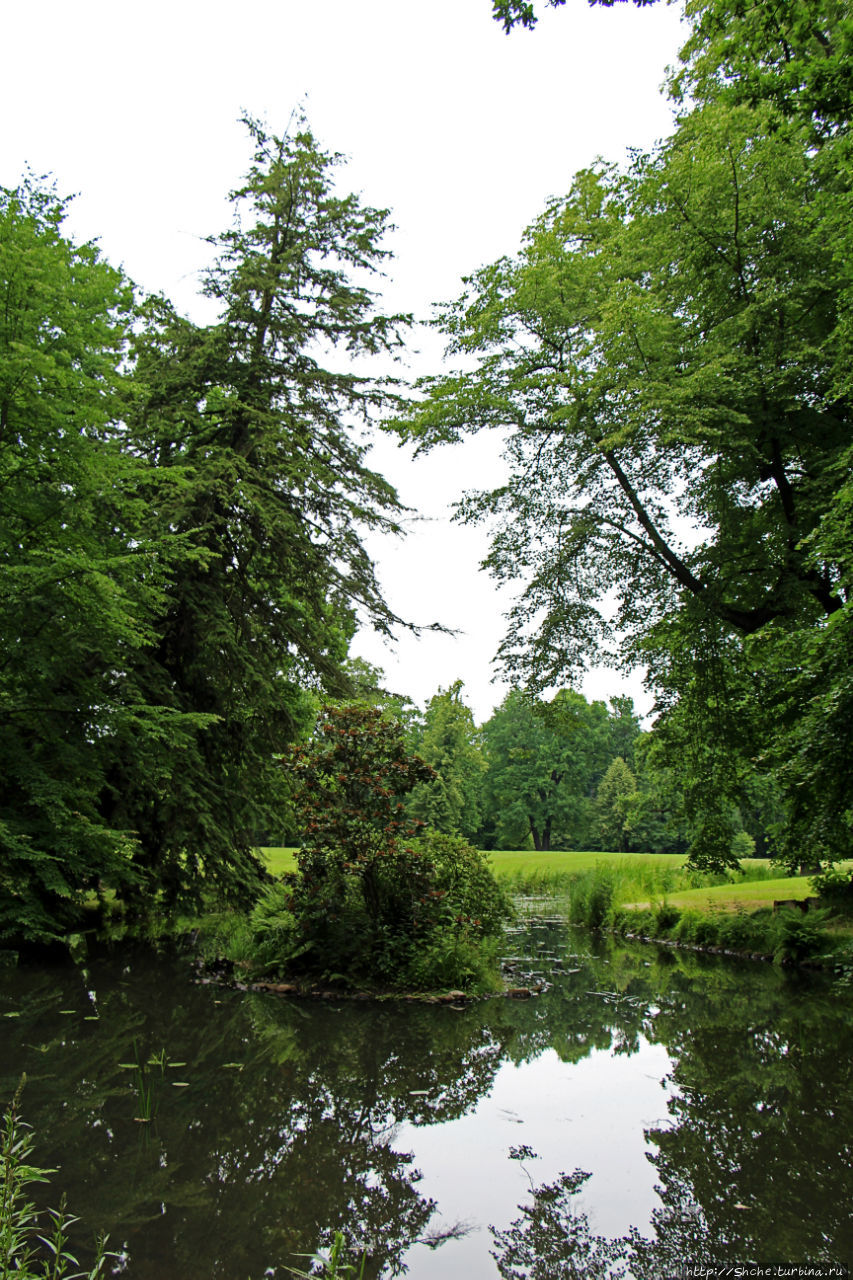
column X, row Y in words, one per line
column 603, row 897
column 596, row 883
column 631, row 894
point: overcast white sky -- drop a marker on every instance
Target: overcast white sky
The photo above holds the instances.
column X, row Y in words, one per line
column 461, row 131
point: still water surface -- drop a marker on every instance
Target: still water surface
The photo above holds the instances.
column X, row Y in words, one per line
column 648, row 1109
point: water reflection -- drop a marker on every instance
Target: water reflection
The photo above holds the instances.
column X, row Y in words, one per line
column 273, row 1122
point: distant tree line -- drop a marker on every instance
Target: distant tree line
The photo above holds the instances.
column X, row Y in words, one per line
column 559, row 773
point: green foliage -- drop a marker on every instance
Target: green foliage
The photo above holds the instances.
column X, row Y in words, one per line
column 181, row 550
column 338, row 1263
column 596, row 894
column 613, row 804
column 740, row 931
column 796, row 57
column 463, row 873
column 700, row 930
column 790, row 937
column 743, row 845
column 592, row 898
column 836, row 885
column 656, row 819
column 665, row 917
column 81, row 582
column 800, row 936
column 449, row 743
column 811, row 757
column 350, row 781
column 543, row 762
column 271, row 933
column 725, row 929
column 597, row 898
column 369, row 901
column 34, row 1244
column 250, row 438
column 670, row 348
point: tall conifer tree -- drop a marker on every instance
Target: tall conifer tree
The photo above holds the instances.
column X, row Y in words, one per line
column 249, row 424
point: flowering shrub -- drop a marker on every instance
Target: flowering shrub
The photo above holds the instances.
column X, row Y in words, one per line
column 371, row 900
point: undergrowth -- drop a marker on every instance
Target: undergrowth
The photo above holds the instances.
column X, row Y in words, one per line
column 623, row 880
column 439, row 927
column 789, row 937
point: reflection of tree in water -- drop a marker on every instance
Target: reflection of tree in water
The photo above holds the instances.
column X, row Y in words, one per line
column 758, row 1160
column 252, row 1162
column 553, row 1238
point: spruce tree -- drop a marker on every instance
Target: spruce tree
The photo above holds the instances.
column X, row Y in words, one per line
column 249, row 425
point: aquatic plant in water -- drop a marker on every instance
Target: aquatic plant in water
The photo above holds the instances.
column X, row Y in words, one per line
column 30, row 1248
column 335, row 1264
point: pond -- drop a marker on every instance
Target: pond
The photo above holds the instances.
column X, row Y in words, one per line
column 666, row 1108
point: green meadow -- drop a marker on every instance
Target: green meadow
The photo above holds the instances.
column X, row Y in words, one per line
column 749, row 895
column 639, row 878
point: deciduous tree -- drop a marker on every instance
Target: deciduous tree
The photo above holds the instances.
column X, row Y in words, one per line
column 613, row 804
column 80, row 583
column 544, row 760
column 664, row 351
column 370, row 901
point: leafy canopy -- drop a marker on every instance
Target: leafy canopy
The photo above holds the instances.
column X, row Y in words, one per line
column 81, row 583
column 669, row 353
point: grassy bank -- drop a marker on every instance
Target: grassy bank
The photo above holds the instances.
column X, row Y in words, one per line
column 522, row 865
column 656, row 896
column 736, row 916
column 748, row 895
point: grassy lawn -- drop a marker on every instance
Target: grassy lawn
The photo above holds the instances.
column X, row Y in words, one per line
column 279, row 860
column 515, row 862
column 748, row 896
column 512, row 862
